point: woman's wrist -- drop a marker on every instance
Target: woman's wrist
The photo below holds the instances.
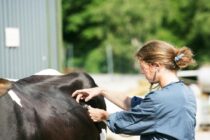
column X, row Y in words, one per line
column 105, row 115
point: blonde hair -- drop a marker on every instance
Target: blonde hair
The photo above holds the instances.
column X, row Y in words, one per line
column 157, row 51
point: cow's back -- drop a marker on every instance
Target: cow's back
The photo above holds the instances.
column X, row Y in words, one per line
column 48, row 111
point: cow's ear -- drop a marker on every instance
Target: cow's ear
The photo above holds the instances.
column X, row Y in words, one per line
column 5, row 85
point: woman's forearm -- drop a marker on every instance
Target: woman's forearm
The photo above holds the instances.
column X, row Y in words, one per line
column 121, row 100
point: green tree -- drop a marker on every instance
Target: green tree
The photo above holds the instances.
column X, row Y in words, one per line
column 199, row 33
column 93, row 25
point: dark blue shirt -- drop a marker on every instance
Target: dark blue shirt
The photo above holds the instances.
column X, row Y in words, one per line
column 166, row 114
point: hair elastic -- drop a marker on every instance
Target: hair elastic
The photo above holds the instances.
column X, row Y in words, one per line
column 178, row 57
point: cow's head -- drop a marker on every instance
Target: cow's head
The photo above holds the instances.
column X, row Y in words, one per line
column 5, row 86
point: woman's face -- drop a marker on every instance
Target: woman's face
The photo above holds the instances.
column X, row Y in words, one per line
column 148, row 70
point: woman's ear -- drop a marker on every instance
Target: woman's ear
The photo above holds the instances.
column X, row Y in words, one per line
column 156, row 66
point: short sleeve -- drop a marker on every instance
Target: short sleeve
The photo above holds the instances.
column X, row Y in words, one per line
column 138, row 120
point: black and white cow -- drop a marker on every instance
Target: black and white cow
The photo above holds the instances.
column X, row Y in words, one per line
column 40, row 107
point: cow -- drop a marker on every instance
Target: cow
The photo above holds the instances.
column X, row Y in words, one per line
column 40, row 107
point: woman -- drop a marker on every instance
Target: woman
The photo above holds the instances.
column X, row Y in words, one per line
column 165, row 114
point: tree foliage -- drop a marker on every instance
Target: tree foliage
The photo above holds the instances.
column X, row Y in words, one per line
column 93, row 25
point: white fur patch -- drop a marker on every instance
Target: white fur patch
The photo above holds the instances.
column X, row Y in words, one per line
column 103, row 134
column 48, row 72
column 14, row 97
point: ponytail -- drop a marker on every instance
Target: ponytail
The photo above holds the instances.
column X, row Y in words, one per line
column 183, row 58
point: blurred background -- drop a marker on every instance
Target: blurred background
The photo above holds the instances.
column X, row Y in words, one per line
column 101, row 38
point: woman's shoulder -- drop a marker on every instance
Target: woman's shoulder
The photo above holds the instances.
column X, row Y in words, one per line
column 170, row 92
column 176, row 93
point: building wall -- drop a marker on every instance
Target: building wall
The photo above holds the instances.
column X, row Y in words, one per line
column 39, row 36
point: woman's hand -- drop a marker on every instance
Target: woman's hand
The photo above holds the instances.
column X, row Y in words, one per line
column 87, row 94
column 97, row 115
